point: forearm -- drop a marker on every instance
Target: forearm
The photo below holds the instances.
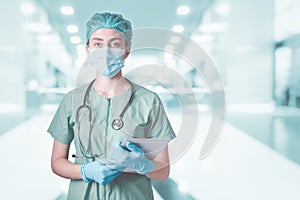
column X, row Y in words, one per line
column 64, row 168
column 61, row 165
column 161, row 171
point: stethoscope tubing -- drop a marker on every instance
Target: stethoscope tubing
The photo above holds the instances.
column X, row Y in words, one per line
column 117, row 124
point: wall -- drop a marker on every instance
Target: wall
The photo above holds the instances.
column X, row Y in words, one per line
column 11, row 70
column 242, row 48
column 249, row 52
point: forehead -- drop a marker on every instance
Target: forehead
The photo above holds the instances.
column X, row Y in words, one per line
column 106, row 34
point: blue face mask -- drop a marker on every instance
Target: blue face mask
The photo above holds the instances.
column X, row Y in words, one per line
column 107, row 61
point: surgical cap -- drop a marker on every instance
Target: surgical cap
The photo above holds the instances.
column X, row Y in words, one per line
column 109, row 21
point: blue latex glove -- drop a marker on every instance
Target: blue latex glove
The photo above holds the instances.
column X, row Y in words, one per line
column 98, row 172
column 131, row 157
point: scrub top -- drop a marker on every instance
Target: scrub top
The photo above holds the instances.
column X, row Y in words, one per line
column 144, row 118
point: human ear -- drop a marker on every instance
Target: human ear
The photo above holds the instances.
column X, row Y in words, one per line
column 87, row 50
column 127, row 52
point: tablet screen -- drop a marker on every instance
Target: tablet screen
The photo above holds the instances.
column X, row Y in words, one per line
column 151, row 146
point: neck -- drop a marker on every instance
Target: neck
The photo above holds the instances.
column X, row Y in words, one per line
column 110, row 87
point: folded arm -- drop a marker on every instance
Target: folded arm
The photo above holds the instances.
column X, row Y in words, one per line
column 133, row 157
column 92, row 171
column 61, row 165
column 162, row 166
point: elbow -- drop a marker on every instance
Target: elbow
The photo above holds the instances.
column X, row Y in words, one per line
column 164, row 175
column 54, row 166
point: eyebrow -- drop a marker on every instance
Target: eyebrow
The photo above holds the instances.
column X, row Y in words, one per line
column 97, row 39
column 100, row 39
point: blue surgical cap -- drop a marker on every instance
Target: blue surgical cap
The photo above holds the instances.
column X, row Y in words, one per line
column 109, row 21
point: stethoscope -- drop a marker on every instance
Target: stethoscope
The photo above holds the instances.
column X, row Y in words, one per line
column 116, row 124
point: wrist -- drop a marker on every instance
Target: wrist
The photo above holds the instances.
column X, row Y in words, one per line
column 147, row 168
column 83, row 175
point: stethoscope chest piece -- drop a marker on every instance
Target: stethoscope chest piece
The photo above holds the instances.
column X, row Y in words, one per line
column 117, row 124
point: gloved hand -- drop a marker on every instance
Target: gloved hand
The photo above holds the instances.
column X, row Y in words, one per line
column 132, row 157
column 98, row 172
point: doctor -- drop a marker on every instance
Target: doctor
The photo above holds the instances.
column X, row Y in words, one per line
column 99, row 115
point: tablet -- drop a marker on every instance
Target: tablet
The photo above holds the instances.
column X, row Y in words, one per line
column 151, row 146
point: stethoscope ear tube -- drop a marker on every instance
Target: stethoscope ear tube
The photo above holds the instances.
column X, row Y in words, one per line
column 84, row 105
column 78, row 111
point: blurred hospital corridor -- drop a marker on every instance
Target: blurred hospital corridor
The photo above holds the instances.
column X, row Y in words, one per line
column 240, row 59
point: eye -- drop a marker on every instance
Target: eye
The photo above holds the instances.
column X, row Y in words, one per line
column 115, row 44
column 98, row 45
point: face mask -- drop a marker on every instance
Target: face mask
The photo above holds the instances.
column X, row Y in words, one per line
column 107, row 61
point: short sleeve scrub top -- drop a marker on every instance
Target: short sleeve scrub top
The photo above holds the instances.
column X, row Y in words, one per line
column 144, row 118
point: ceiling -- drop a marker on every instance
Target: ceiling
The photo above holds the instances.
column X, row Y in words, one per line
column 142, row 13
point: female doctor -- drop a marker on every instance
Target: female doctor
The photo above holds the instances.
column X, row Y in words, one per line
column 99, row 115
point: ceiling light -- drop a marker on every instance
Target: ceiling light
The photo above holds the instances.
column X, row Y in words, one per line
column 178, row 28
column 67, row 10
column 183, row 10
column 72, row 29
column 211, row 28
column 75, row 40
column 169, row 47
column 175, row 39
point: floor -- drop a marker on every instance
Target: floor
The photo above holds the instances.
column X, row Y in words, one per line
column 279, row 130
column 240, row 167
column 256, row 158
